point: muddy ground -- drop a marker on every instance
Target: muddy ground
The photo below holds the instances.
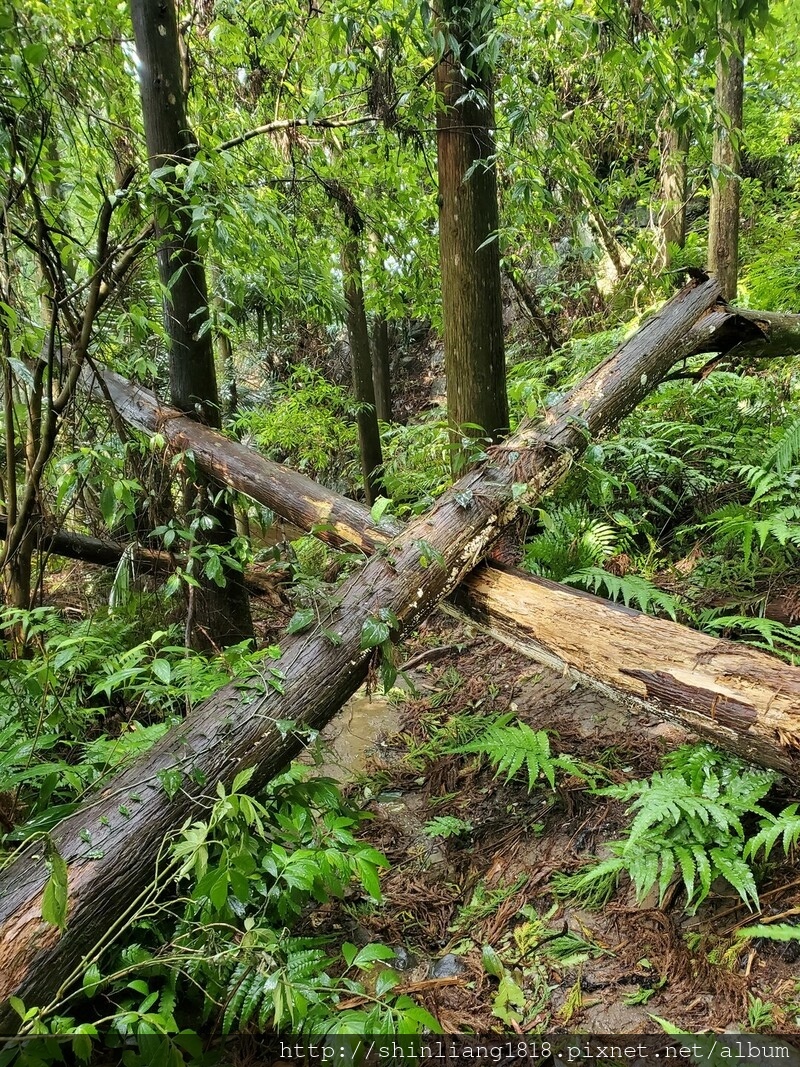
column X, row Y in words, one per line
column 611, row 971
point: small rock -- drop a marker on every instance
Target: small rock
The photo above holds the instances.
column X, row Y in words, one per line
column 402, row 959
column 448, row 966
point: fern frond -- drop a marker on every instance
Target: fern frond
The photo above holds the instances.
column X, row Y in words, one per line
column 593, row 886
column 510, row 747
column 737, row 874
column 785, row 826
column 776, row 932
column 786, row 453
column 628, row 589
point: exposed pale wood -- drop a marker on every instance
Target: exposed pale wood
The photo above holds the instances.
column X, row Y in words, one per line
column 740, row 698
column 129, row 819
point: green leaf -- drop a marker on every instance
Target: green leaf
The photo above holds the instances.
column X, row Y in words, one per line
column 35, row 54
column 370, row 954
column 374, row 632
column 241, row 779
column 91, row 980
column 54, row 901
column 301, row 620
column 378, row 509
column 492, row 963
column 162, row 670
column 386, row 980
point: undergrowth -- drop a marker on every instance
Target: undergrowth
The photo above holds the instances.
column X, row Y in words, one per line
column 698, row 820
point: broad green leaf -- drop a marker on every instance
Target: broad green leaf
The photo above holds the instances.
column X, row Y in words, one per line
column 54, row 901
column 374, row 632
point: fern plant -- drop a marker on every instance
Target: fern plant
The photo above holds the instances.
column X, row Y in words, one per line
column 512, row 747
column 688, row 823
column 572, row 540
column 629, row 588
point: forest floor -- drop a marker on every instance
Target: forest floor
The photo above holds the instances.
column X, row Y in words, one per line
column 445, row 898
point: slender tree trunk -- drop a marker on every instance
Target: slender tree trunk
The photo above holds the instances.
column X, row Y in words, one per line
column 221, row 614
column 673, row 146
column 230, row 396
column 468, row 223
column 723, row 225
column 530, row 301
column 369, row 434
column 381, row 368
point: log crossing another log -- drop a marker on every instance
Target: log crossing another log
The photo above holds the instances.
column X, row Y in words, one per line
column 727, row 692
column 130, row 818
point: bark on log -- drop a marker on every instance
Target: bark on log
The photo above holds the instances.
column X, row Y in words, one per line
column 108, row 553
column 340, row 521
column 739, row 698
column 238, row 728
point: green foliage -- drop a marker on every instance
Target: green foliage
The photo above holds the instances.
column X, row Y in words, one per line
column 309, row 423
column 416, row 462
column 248, row 873
column 446, row 826
column 91, row 697
column 629, row 588
column 572, row 540
column 512, row 747
column 690, row 823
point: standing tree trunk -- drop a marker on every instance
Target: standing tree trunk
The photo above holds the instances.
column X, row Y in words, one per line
column 381, row 373
column 219, row 615
column 468, row 224
column 723, row 224
column 673, row 144
column 369, row 434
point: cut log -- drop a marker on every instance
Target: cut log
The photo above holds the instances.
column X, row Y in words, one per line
column 110, row 846
column 741, row 699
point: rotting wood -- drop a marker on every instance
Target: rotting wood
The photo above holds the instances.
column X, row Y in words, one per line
column 740, row 698
column 239, row 727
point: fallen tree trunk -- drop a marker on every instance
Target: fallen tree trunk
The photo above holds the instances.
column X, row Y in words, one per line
column 128, row 821
column 339, row 520
column 741, row 699
column 530, row 614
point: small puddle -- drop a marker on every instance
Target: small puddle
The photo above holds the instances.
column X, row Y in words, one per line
column 353, row 734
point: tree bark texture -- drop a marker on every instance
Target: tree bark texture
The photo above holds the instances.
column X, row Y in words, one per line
column 469, row 250
column 723, row 222
column 381, row 374
column 741, row 699
column 104, row 552
column 673, row 146
column 342, row 521
column 369, row 436
column 222, row 615
column 237, row 728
